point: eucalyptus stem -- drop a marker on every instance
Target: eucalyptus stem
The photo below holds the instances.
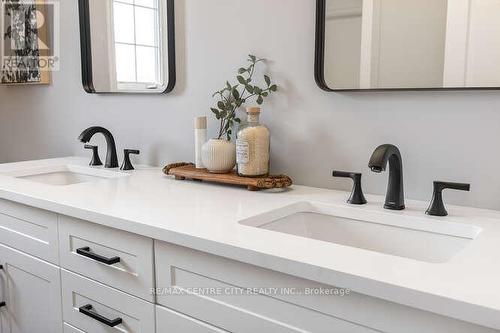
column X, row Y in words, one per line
column 232, row 97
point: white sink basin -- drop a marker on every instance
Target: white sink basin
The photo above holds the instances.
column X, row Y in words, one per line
column 422, row 239
column 62, row 175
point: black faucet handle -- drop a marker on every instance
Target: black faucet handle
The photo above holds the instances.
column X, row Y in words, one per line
column 132, row 151
column 346, row 174
column 436, row 207
column 440, row 186
column 127, row 165
column 95, row 155
column 357, row 197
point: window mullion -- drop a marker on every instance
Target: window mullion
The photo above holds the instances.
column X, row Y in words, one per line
column 135, row 45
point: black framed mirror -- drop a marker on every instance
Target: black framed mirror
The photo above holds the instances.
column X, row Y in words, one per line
column 407, row 44
column 127, row 46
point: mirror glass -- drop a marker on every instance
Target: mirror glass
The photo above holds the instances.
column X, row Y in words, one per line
column 409, row 44
column 127, row 45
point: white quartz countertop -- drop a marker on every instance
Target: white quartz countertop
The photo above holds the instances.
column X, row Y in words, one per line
column 206, row 217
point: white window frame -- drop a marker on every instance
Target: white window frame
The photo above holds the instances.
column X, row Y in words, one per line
column 161, row 41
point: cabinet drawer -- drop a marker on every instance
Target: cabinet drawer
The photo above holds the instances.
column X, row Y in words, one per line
column 67, row 328
column 242, row 298
column 116, row 258
column 215, row 290
column 168, row 321
column 85, row 301
column 29, row 229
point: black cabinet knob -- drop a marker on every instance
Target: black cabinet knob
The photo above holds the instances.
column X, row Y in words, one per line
column 95, row 155
column 357, row 196
column 436, row 207
column 127, row 165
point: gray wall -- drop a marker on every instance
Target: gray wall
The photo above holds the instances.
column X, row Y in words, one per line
column 443, row 135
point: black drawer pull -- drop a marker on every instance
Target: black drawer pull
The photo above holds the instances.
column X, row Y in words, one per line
column 85, row 251
column 87, row 310
column 2, row 304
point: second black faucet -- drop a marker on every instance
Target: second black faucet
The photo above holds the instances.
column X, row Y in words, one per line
column 395, row 198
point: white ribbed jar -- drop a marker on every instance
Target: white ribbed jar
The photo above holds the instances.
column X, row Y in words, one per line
column 219, row 156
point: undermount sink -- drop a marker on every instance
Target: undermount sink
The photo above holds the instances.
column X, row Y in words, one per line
column 62, row 175
column 423, row 239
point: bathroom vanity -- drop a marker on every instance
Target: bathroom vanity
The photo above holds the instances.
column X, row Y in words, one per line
column 85, row 249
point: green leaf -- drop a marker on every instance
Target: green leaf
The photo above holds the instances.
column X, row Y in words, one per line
column 252, row 58
column 214, row 110
column 273, row 88
column 241, row 79
column 242, row 70
column 223, row 114
column 249, row 88
column 238, row 120
column 236, row 94
column 257, row 90
column 221, row 105
column 217, row 113
column 260, row 100
column 228, row 85
column 268, row 80
column 265, row 94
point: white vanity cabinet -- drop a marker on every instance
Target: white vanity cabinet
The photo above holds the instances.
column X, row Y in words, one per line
column 31, row 290
column 64, row 275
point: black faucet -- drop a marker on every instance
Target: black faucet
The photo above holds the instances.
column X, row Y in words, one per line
column 111, row 157
column 394, row 199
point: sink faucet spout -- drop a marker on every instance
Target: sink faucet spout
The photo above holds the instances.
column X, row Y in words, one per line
column 111, row 156
column 378, row 162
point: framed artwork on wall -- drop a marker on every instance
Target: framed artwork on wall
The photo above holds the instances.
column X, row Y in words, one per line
column 25, row 49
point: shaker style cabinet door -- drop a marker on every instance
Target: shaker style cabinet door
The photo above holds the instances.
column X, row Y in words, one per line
column 113, row 257
column 31, row 290
column 93, row 307
column 30, row 230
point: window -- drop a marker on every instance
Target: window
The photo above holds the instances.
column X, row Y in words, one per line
column 137, row 43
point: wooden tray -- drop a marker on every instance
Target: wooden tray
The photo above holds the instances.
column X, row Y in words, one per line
column 183, row 171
